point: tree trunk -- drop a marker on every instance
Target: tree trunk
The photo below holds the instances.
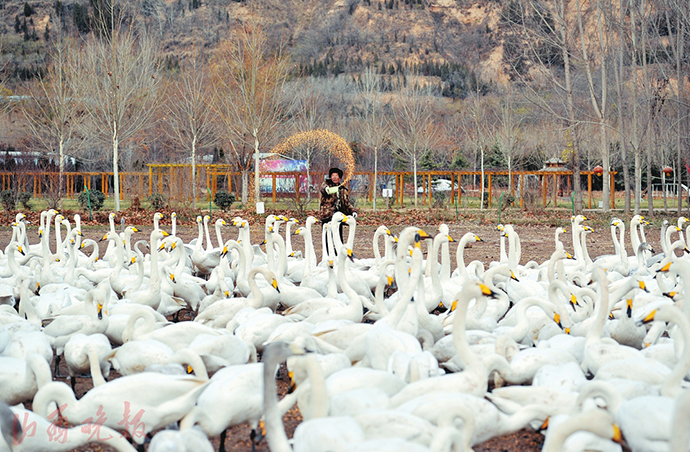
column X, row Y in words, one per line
column 481, row 195
column 619, row 92
column 563, row 28
column 245, row 185
column 257, row 188
column 116, row 172
column 608, row 196
column 414, row 168
column 635, row 121
column 194, row 173
column 376, row 168
column 61, row 185
column 663, row 190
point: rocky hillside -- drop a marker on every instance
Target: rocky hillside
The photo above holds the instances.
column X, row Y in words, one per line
column 453, row 39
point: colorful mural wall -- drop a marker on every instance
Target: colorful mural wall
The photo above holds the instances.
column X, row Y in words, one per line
column 284, row 184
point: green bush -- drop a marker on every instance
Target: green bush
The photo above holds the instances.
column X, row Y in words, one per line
column 97, row 199
column 157, row 201
column 25, row 198
column 224, row 200
column 8, row 199
column 439, row 198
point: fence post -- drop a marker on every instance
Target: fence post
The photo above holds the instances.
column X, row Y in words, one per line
column 273, row 188
column 489, row 191
column 150, row 180
column 589, row 189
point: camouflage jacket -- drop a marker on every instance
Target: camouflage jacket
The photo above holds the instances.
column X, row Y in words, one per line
column 337, row 202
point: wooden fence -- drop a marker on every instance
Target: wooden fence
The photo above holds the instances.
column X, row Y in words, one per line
column 173, row 181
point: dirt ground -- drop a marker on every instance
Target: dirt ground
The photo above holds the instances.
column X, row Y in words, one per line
column 537, row 244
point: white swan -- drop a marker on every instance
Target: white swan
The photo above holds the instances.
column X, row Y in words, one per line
column 39, row 434
column 472, row 380
column 138, row 403
column 596, row 421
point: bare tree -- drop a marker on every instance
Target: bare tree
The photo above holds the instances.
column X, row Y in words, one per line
column 191, row 121
column 550, row 29
column 117, row 78
column 412, row 127
column 509, row 131
column 249, row 80
column 475, row 121
column 52, row 114
column 372, row 126
column 599, row 103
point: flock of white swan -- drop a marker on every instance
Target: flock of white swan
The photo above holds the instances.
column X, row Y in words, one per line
column 595, row 352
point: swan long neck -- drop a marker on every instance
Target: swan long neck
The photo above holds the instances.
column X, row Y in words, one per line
column 95, row 365
column 577, row 244
column 432, row 260
column 585, row 252
column 200, row 237
column 288, row 238
column 602, row 389
column 598, row 422
column 407, row 291
column 318, row 397
column 462, row 348
column 280, row 269
column 614, row 238
column 130, row 332
column 672, row 384
column 601, row 308
column 621, row 244
column 514, row 251
column 254, row 287
column 309, row 244
column 342, row 278
column 207, row 233
column 352, row 227
column 275, row 432
column 460, row 256
column 634, row 237
column 375, row 244
column 219, row 234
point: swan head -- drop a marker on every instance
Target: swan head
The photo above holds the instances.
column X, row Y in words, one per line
column 20, row 249
column 297, row 231
column 665, row 268
column 221, row 222
column 450, row 239
column 650, row 318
